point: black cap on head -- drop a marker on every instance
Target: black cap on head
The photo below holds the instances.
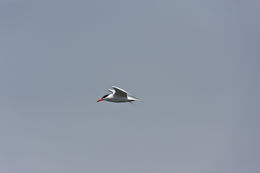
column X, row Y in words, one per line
column 105, row 96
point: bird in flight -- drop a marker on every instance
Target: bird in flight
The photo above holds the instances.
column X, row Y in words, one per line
column 118, row 95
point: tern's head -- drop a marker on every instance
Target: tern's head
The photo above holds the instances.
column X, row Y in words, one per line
column 103, row 98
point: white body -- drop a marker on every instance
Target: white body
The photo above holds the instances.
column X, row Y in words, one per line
column 116, row 99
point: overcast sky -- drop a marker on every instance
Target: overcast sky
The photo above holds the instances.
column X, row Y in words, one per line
column 194, row 65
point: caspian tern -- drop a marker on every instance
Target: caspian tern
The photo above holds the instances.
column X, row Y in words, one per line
column 118, row 95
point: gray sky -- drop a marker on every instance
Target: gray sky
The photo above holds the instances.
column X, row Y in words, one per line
column 194, row 64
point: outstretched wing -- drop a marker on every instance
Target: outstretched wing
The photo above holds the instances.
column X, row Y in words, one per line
column 111, row 90
column 119, row 92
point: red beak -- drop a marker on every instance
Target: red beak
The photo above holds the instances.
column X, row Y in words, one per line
column 99, row 100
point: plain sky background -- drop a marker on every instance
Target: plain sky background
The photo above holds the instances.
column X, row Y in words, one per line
column 194, row 64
